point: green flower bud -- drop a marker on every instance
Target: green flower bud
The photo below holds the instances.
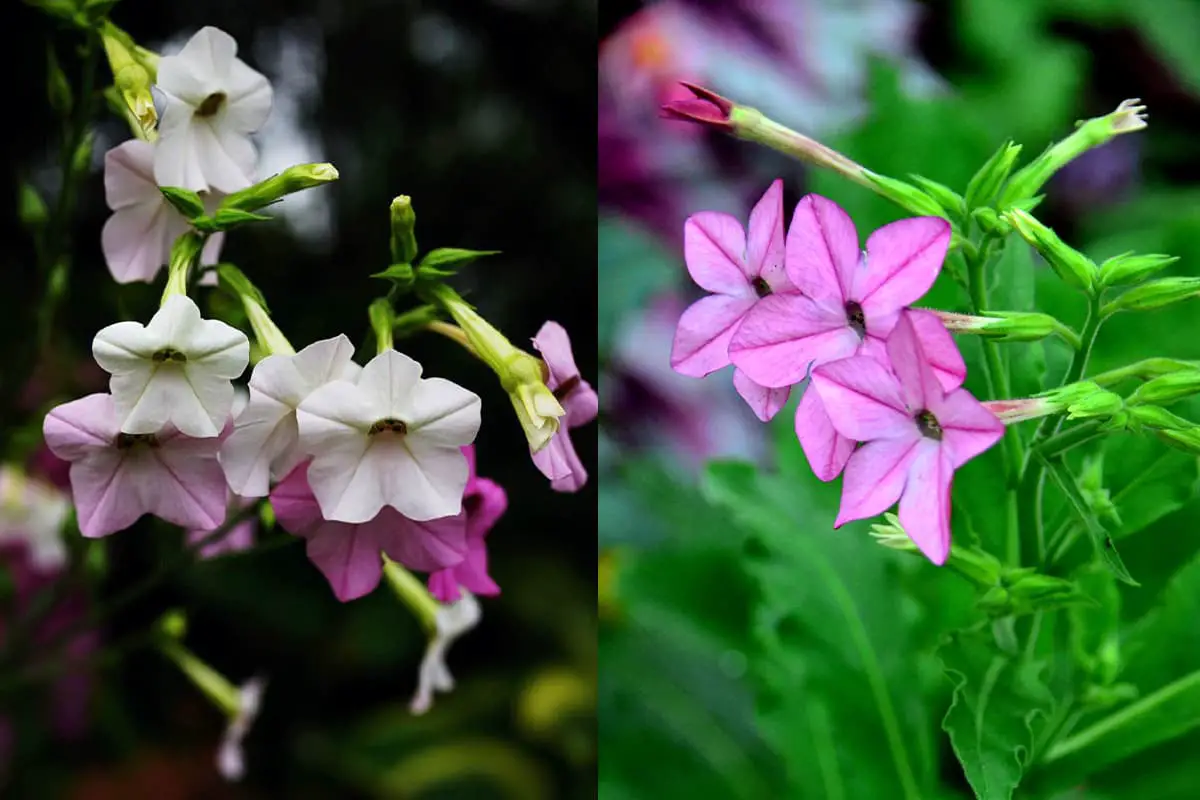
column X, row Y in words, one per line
column 401, row 275
column 1127, row 118
column 1130, row 268
column 991, row 176
column 1187, row 439
column 950, row 200
column 1168, row 388
column 173, row 624
column 1158, row 419
column 907, row 196
column 1154, row 294
column 1006, row 326
column 186, row 202
column 31, row 209
column 1098, row 404
column 1072, row 266
column 404, row 222
column 131, row 77
column 382, row 317
column 291, row 180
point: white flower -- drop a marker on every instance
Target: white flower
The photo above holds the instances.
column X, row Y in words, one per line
column 33, row 513
column 230, row 762
column 177, row 369
column 138, row 236
column 453, row 620
column 265, row 443
column 212, row 102
column 391, row 438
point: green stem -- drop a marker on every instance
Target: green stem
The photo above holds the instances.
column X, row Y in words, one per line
column 1062, row 442
column 996, row 379
column 1144, row 370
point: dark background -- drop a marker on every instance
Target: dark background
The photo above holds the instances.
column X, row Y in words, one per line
column 482, row 112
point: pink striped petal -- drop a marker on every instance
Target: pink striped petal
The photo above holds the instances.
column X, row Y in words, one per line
column 783, row 334
column 863, row 399
column 925, row 504
column 875, row 477
column 827, row 450
column 765, row 242
column 705, row 330
column 939, row 348
column 714, row 247
column 903, row 260
column 919, row 386
column 763, row 401
column 822, row 250
column 968, row 428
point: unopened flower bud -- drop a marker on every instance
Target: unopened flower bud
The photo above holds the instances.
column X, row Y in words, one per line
column 1098, row 404
column 132, row 79
column 1127, row 118
column 1187, row 440
column 1007, row 326
column 521, row 374
column 31, row 209
column 1072, row 266
column 1154, row 294
column 1052, row 402
column 950, row 201
column 278, row 186
column 706, row 108
column 972, row 563
column 185, row 253
column 1158, row 419
column 905, row 195
column 991, row 176
column 1130, row 268
column 1168, row 388
column 404, row 222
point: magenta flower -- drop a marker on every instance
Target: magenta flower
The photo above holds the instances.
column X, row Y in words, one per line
column 916, row 434
column 484, row 502
column 349, row 554
column 558, row 460
column 742, row 271
column 117, row 477
column 848, row 301
column 826, row 449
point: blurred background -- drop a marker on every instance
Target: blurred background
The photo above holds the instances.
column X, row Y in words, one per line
column 730, row 663
column 482, row 113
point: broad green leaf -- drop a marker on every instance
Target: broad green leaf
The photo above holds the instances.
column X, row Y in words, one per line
column 838, row 682
column 999, row 706
column 1154, row 480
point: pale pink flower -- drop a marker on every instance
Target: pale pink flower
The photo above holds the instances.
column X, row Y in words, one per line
column 558, row 460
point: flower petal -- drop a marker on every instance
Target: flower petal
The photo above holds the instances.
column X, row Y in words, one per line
column 765, row 241
column 249, row 98
column 862, row 399
column 822, row 250
column 200, row 68
column 76, row 429
column 176, row 161
column 903, row 260
column 875, row 476
column 262, row 434
column 968, row 428
column 423, row 546
column 135, row 242
column 440, row 413
column 349, row 556
column 559, row 462
column 189, row 487
column 125, row 346
column 705, row 329
column 295, row 507
column 714, row 247
column 925, row 504
column 554, row 344
column 827, row 450
column 226, row 156
column 129, row 176
column 784, row 334
column 919, row 385
column 763, row 401
column 940, row 350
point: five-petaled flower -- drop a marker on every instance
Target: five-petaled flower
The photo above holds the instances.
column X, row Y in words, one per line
column 177, row 369
column 484, row 501
column 212, row 103
column 117, row 477
column 137, row 238
column 265, row 442
column 558, row 460
column 349, row 554
column 915, row 435
column 742, row 271
column 391, row 438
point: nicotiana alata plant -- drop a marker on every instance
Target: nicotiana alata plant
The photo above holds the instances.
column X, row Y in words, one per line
column 799, row 306
column 370, row 462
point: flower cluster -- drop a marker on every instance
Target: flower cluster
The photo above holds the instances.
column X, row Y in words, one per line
column 884, row 402
column 369, row 461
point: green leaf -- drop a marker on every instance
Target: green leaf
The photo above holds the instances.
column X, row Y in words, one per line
column 443, row 258
column 225, row 218
column 1155, row 481
column 399, row 274
column 1101, row 540
column 838, row 683
column 999, row 705
column 185, row 201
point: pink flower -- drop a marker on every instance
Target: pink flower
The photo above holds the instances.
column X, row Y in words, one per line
column 350, row 554
column 916, row 434
column 826, row 449
column 117, row 477
column 239, row 537
column 138, row 236
column 484, row 501
column 558, row 460
column 742, row 272
column 849, row 301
